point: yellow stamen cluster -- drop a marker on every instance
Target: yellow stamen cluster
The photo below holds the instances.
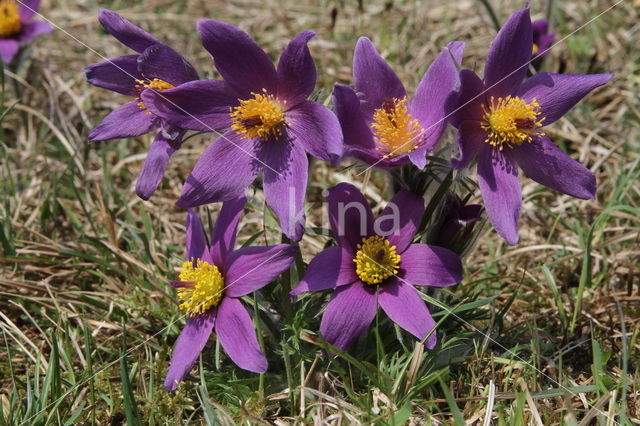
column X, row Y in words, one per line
column 155, row 84
column 535, row 49
column 511, row 121
column 205, row 288
column 376, row 260
column 261, row 117
column 395, row 131
column 10, row 23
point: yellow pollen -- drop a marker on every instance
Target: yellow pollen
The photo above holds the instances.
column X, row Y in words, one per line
column 535, row 49
column 376, row 260
column 155, row 84
column 10, row 23
column 511, row 121
column 260, row 117
column 203, row 288
column 395, row 131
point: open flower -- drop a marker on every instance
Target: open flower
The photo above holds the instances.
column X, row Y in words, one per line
column 268, row 123
column 500, row 120
column 374, row 265
column 542, row 38
column 381, row 126
column 17, row 26
column 156, row 67
column 210, row 285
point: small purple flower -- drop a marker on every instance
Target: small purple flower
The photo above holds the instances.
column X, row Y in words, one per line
column 268, row 123
column 210, row 285
column 374, row 265
column 499, row 120
column 156, row 67
column 17, row 26
column 380, row 125
column 542, row 38
column 459, row 221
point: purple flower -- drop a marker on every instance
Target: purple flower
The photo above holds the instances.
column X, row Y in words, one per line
column 499, row 120
column 268, row 123
column 380, row 125
column 17, row 26
column 542, row 38
column 459, row 221
column 155, row 66
column 210, row 285
column 374, row 265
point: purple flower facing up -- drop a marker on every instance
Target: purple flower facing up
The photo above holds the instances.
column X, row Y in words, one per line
column 155, row 66
column 17, row 26
column 381, row 126
column 269, row 126
column 375, row 264
column 542, row 38
column 500, row 119
column 210, row 285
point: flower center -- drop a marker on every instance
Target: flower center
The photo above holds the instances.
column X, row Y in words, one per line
column 376, row 260
column 260, row 117
column 10, row 23
column 511, row 121
column 202, row 288
column 395, row 131
column 535, row 49
column 155, row 84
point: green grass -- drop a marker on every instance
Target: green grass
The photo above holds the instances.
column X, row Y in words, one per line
column 545, row 332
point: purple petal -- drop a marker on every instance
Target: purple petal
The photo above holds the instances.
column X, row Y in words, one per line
column 428, row 104
column 238, row 58
column 251, row 268
column 31, row 30
column 400, row 219
column 539, row 27
column 331, row 268
column 192, row 340
column 154, row 166
column 8, row 49
column 545, row 163
column 223, row 237
column 403, row 304
column 126, row 121
column 558, row 93
column 349, row 313
column 202, row 105
column 509, row 55
column 117, row 74
column 350, row 216
column 195, row 241
column 237, row 336
column 354, row 128
column 28, row 8
column 466, row 103
column 374, row 78
column 285, row 185
column 423, row 264
column 124, row 31
column 296, row 70
column 162, row 62
column 469, row 139
column 314, row 127
column 501, row 192
column 223, row 172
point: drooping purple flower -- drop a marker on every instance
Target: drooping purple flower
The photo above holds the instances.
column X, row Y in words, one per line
column 156, row 67
column 269, row 125
column 542, row 38
column 211, row 283
column 459, row 221
column 499, row 121
column 376, row 264
column 17, row 26
column 381, row 126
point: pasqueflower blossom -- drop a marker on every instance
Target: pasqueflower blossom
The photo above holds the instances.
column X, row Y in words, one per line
column 500, row 121
column 211, row 282
column 17, row 26
column 155, row 66
column 269, row 126
column 459, row 221
column 381, row 126
column 376, row 264
column 542, row 38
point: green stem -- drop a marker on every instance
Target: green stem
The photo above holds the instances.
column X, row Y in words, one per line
column 492, row 14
